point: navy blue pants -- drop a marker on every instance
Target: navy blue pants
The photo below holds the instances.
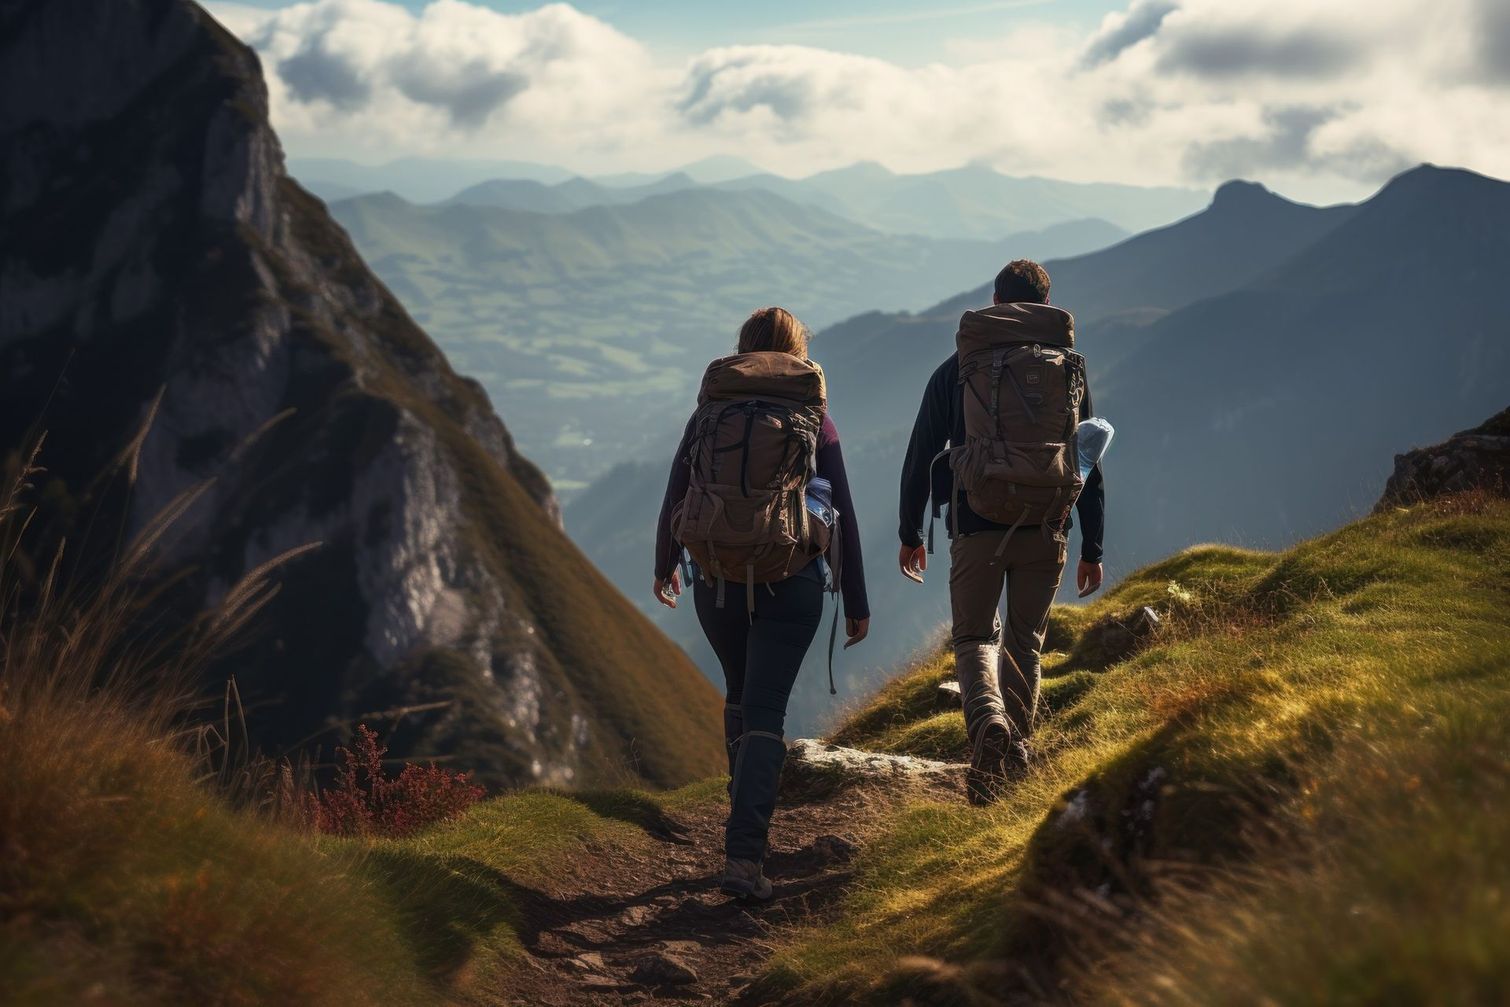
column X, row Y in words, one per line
column 760, row 657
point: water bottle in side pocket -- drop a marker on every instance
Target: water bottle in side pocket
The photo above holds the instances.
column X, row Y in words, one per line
column 820, row 507
column 1092, row 437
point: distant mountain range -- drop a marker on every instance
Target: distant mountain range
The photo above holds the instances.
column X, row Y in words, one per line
column 420, row 179
column 584, row 325
column 1261, row 360
column 975, row 201
column 565, row 196
column 968, row 202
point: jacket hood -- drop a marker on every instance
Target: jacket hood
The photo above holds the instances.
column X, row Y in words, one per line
column 1019, row 322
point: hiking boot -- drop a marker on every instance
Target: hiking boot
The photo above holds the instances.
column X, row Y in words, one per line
column 744, row 879
column 988, row 772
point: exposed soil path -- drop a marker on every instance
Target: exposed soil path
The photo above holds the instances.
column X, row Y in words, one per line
column 649, row 926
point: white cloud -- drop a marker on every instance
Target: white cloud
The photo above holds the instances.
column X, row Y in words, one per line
column 1312, row 98
column 370, row 77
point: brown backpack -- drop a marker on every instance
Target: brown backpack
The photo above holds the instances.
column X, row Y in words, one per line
column 1022, row 384
column 753, row 449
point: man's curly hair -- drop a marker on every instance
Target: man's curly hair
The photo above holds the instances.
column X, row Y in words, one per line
column 1022, row 280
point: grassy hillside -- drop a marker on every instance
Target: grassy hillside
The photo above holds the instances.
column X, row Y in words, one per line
column 125, row 881
column 1293, row 795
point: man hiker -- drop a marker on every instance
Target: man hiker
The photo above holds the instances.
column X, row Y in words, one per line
column 994, row 447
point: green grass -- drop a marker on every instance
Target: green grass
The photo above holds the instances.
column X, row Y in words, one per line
column 1295, row 794
column 1246, row 767
column 461, row 893
column 125, row 881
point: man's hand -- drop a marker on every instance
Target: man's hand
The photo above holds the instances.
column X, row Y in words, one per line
column 1088, row 578
column 913, row 559
column 667, row 591
column 856, row 630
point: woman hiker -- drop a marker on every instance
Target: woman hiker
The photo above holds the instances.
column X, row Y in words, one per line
column 758, row 497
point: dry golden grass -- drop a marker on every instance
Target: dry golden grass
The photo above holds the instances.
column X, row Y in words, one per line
column 1289, row 796
column 145, row 858
column 122, row 879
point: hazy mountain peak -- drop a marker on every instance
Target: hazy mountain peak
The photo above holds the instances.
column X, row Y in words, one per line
column 1434, row 180
column 858, row 170
column 717, row 168
column 1241, row 193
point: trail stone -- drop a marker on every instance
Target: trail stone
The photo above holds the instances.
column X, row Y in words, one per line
column 815, row 769
column 834, row 849
column 637, row 916
column 947, row 697
column 661, row 969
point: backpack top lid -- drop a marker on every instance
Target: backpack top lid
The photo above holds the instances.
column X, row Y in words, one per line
column 766, row 375
column 1017, row 322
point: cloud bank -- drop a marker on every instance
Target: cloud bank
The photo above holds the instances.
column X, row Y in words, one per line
column 1166, row 91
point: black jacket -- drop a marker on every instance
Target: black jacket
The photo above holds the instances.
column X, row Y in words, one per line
column 941, row 421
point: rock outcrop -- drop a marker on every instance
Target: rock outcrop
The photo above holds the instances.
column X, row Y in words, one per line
column 815, row 770
column 159, row 271
column 1477, row 459
column 1115, row 638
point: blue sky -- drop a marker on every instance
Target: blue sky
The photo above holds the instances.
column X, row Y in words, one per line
column 1324, row 101
column 904, row 32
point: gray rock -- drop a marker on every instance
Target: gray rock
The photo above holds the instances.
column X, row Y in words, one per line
column 660, row 968
column 834, row 849
column 1477, row 459
column 588, row 961
column 814, row 770
column 947, row 697
column 1115, row 638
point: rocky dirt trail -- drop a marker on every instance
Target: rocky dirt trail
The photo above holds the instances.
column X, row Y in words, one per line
column 651, row 927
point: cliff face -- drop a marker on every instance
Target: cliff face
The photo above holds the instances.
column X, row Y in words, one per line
column 151, row 245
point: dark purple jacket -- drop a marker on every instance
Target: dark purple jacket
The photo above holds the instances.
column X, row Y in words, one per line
column 830, row 467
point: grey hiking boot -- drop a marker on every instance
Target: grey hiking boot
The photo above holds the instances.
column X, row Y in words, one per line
column 744, row 879
column 988, row 772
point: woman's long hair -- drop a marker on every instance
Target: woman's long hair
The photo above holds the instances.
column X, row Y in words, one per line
column 773, row 329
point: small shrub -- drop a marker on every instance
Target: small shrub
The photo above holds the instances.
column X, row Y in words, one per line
column 364, row 801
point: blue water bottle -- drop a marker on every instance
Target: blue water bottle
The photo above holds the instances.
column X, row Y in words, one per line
column 1092, row 437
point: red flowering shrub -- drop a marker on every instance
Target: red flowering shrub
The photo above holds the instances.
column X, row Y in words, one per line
column 364, row 801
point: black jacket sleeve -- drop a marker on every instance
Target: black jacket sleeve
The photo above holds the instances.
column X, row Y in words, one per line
column 667, row 550
column 1091, row 507
column 930, row 433
column 852, row 564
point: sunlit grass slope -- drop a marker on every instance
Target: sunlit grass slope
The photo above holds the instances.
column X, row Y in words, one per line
column 1294, row 794
column 125, row 880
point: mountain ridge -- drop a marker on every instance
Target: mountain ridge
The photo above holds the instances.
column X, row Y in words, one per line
column 1284, row 360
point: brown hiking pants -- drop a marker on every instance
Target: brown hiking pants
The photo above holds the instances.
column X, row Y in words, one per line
column 998, row 674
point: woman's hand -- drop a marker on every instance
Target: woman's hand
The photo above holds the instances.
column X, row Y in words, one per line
column 667, row 591
column 856, row 630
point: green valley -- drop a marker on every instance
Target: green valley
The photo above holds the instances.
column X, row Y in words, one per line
column 590, row 328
